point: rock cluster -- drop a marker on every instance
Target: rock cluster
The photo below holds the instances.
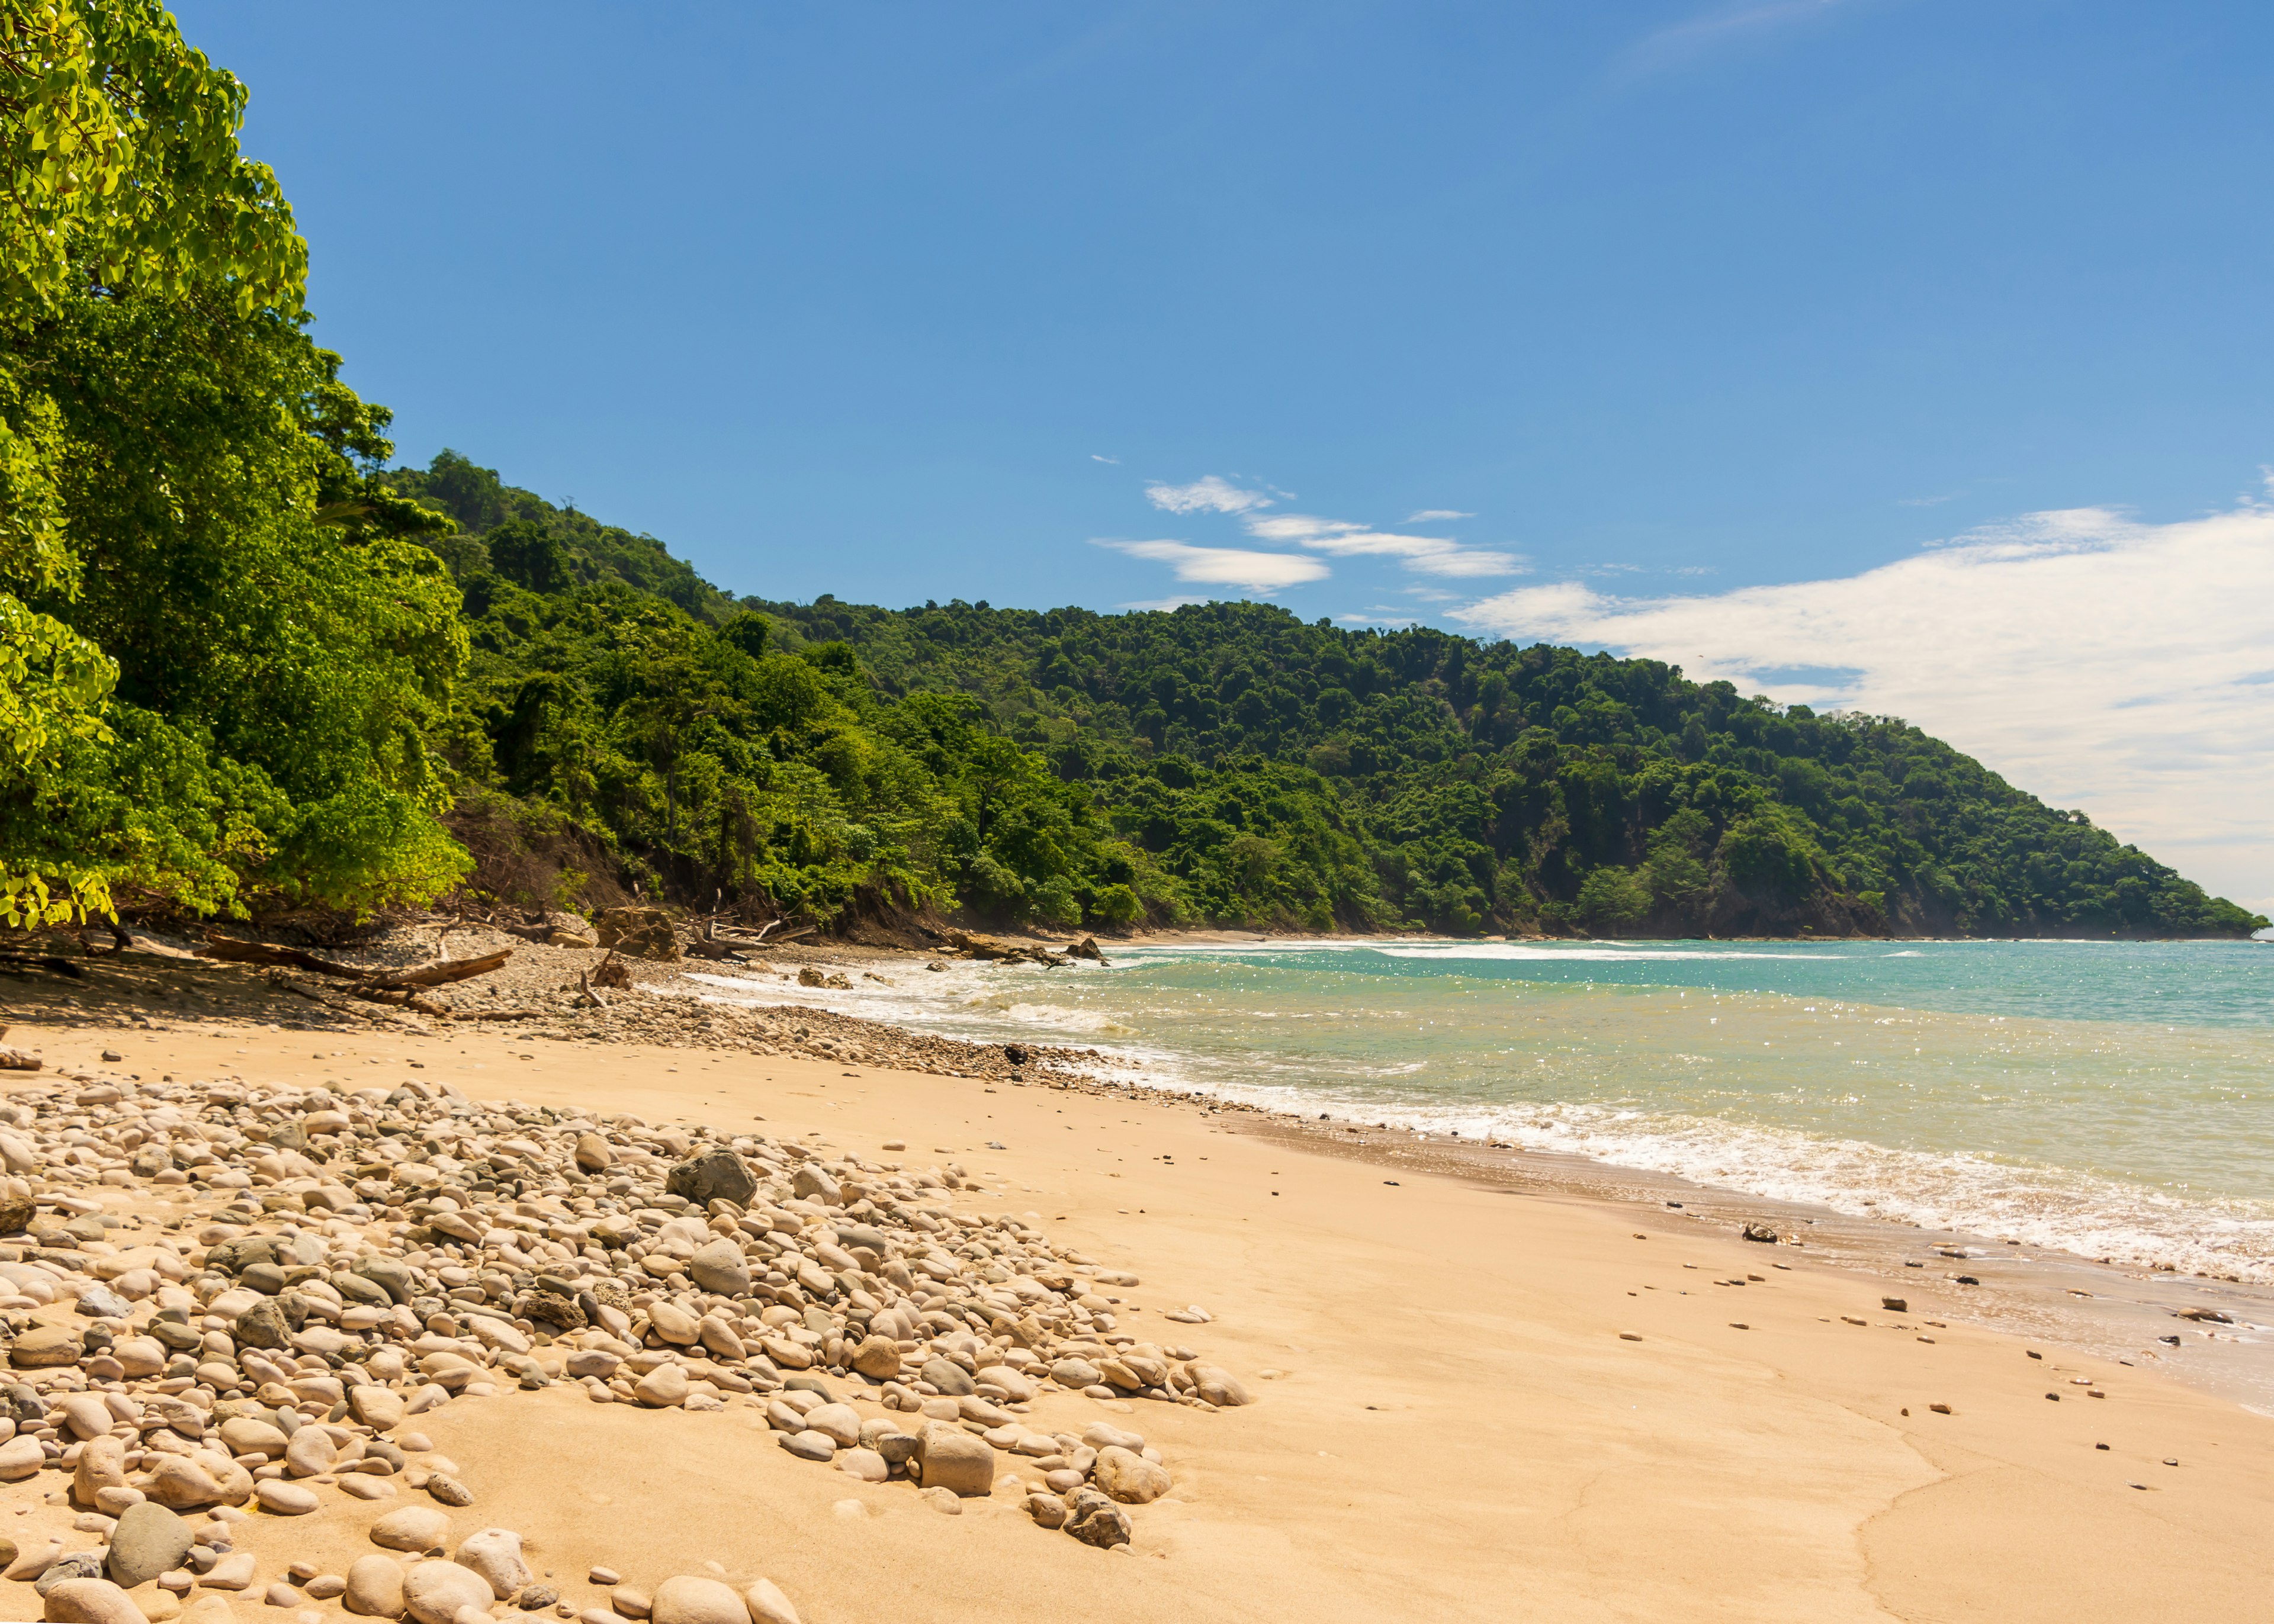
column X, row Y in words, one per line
column 220, row 1296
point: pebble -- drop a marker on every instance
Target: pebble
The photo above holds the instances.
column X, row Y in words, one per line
column 954, row 1461
column 413, row 1527
column 682, row 1599
column 1129, row 1478
column 374, row 1587
column 433, row 1590
column 231, row 1573
column 809, row 1446
column 286, row 1499
column 351, row 1287
column 767, row 1605
column 90, row 1601
column 495, row 1554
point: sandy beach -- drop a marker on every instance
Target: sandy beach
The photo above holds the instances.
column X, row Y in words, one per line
column 1473, row 1403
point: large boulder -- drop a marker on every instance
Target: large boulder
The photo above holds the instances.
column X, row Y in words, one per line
column 45, row 1345
column 149, row 1540
column 639, row 932
column 952, row 1459
column 718, row 1266
column 717, row 1174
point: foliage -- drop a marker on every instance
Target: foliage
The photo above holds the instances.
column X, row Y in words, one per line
column 1225, row 763
column 119, row 178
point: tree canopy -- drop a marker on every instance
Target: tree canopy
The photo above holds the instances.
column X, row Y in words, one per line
column 1223, row 763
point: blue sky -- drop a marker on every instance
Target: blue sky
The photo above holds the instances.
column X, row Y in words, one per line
column 1646, row 303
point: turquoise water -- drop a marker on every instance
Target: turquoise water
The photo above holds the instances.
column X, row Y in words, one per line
column 2114, row 1099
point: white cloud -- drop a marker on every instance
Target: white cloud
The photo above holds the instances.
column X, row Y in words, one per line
column 1115, row 462
column 1259, row 572
column 1468, row 562
column 1208, row 495
column 1431, row 555
column 1295, row 527
column 2126, row 669
column 1433, row 515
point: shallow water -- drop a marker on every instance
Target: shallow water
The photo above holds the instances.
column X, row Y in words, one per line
column 2114, row 1100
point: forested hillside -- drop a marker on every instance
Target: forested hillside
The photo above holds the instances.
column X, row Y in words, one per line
column 1225, row 763
column 246, row 667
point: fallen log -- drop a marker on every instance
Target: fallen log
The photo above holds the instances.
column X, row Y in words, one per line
column 442, row 971
column 432, row 975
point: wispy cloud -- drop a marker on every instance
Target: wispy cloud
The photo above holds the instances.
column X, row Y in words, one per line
column 1206, row 495
column 1114, row 461
column 1433, row 515
column 1429, row 555
column 2094, row 661
column 1679, row 43
column 1258, row 572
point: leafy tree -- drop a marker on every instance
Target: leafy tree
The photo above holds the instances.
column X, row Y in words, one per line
column 224, row 659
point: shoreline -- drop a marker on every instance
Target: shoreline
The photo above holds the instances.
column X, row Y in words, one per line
column 2097, row 1308
column 1453, row 1420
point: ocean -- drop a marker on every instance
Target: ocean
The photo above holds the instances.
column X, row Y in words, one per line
column 2114, row 1100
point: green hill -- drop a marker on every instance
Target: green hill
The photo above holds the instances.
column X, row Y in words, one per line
column 1220, row 764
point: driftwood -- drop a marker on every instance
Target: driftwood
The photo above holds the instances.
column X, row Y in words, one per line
column 442, row 971
column 434, row 974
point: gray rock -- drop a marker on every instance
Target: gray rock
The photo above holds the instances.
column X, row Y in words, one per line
column 391, row 1275
column 1096, row 1520
column 810, row 1446
column 265, row 1278
column 263, row 1325
column 358, row 1289
column 149, row 1540
column 99, row 1301
column 77, row 1565
column 717, row 1174
column 718, row 1266
column 950, row 1379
